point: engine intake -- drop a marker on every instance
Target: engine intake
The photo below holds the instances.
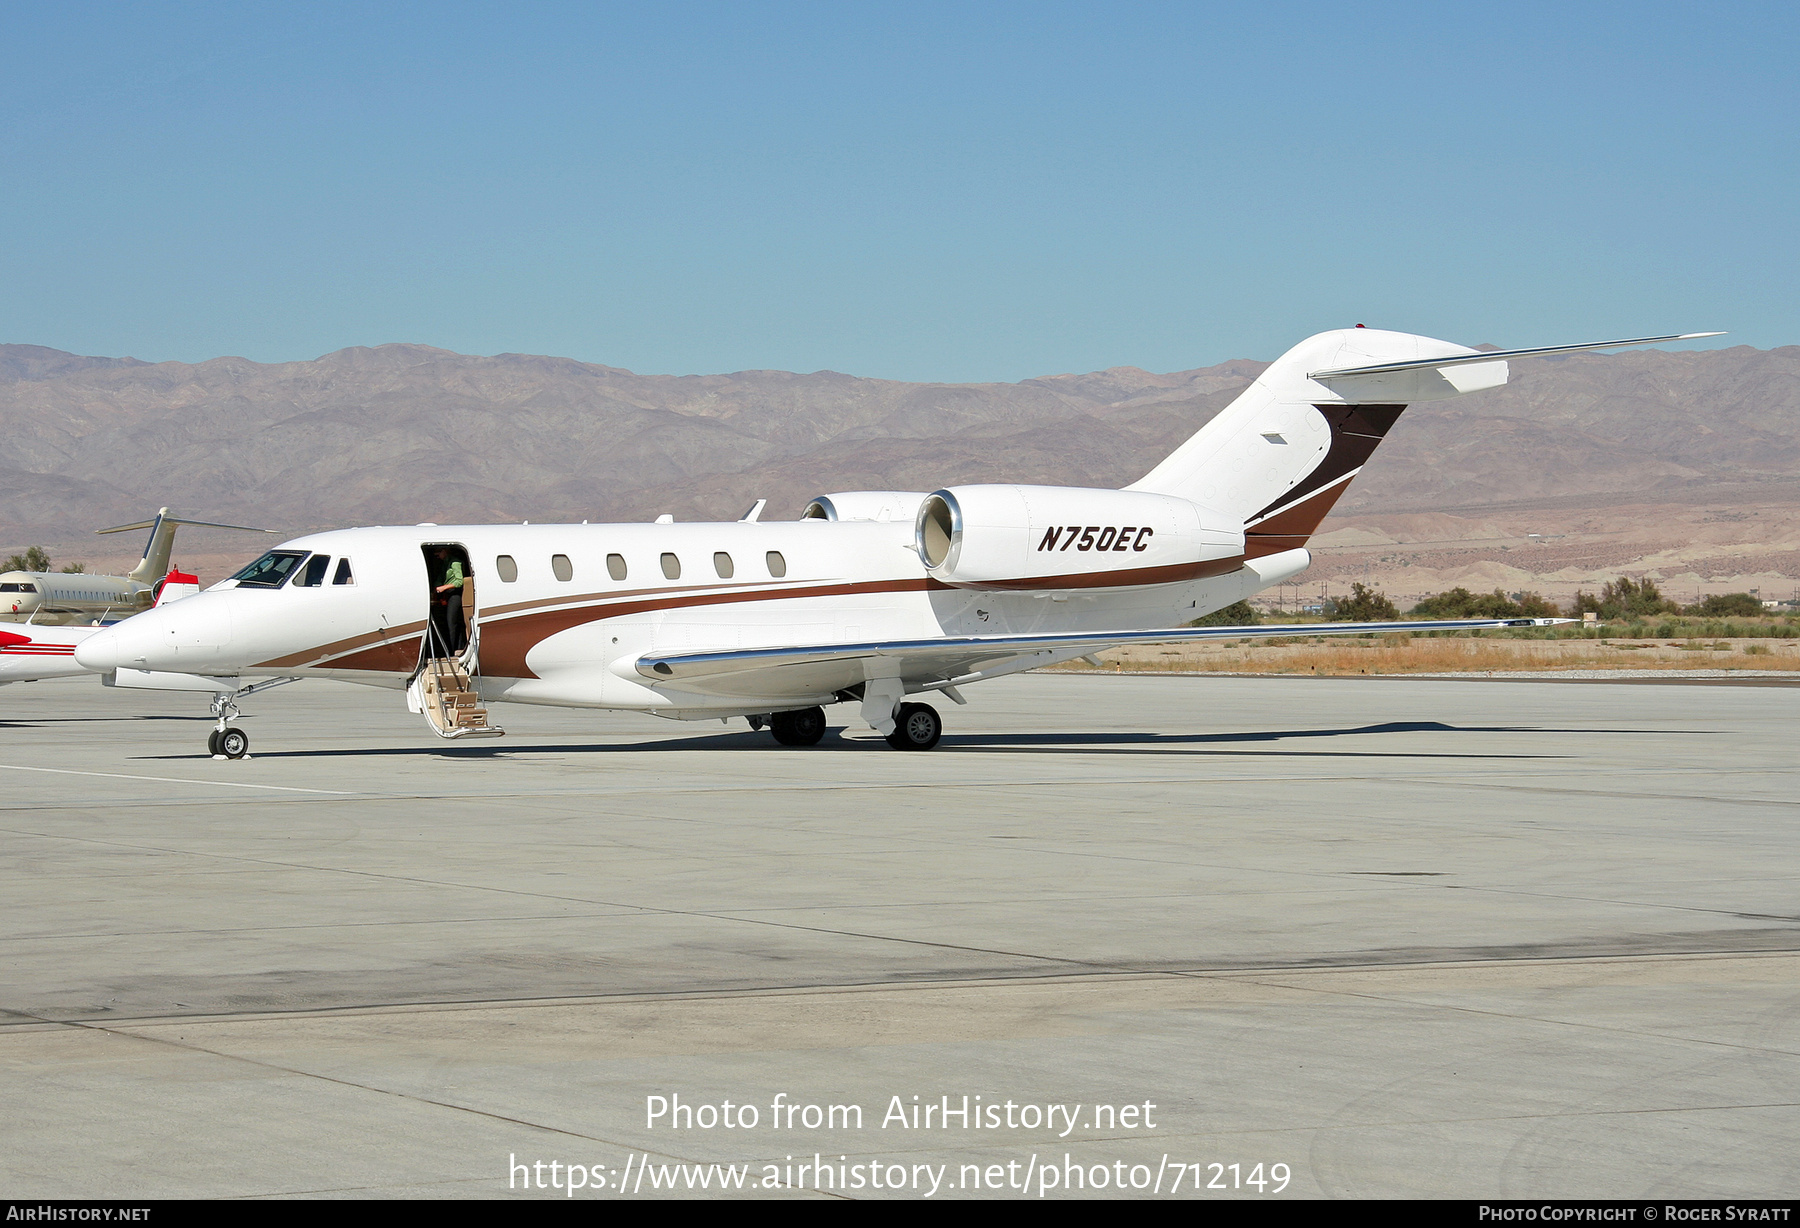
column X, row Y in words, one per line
column 1049, row 537
column 901, row 505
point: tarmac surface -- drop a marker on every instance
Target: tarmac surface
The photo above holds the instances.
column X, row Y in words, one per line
column 1403, row 938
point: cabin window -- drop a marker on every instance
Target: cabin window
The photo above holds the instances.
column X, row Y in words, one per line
column 671, row 566
column 313, row 574
column 722, row 565
column 561, row 568
column 777, row 564
column 271, row 570
column 507, row 568
column 615, row 566
column 343, row 573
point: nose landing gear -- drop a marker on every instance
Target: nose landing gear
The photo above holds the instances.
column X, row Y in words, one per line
column 227, row 741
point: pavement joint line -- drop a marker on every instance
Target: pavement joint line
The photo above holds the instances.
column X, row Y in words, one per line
column 622, row 911
column 634, row 909
column 322, row 925
column 174, row 780
column 642, row 909
column 178, row 1043
column 735, row 915
column 1394, row 998
column 28, row 1022
column 1646, row 797
column 764, row 788
column 1401, row 1000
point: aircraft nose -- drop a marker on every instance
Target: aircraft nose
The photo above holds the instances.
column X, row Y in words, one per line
column 99, row 652
column 193, row 634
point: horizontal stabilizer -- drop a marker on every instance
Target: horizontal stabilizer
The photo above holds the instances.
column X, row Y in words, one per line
column 1463, row 360
column 199, row 524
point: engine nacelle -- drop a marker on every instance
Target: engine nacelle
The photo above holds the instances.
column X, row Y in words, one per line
column 899, row 505
column 1050, row 537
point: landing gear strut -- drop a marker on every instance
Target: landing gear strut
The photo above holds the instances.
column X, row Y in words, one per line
column 802, row 728
column 916, row 727
column 227, row 741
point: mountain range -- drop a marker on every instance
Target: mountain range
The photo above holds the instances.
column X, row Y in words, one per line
column 407, row 433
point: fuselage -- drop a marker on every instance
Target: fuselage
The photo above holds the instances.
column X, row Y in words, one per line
column 54, row 597
column 561, row 612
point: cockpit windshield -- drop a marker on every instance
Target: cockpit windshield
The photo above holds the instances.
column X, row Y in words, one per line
column 271, row 570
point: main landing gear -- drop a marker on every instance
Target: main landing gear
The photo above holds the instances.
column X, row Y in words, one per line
column 802, row 728
column 916, row 727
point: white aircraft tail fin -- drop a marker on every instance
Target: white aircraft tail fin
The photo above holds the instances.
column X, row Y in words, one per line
column 1282, row 454
column 155, row 563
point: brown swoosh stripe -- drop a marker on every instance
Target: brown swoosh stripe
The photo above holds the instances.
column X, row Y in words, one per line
column 1290, row 528
column 411, row 632
column 506, row 641
column 1356, row 431
column 393, row 657
column 1173, row 573
column 313, row 656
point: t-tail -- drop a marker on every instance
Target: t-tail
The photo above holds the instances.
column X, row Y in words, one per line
column 157, row 551
column 1281, row 455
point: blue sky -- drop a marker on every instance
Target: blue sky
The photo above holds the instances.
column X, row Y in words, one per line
column 915, row 191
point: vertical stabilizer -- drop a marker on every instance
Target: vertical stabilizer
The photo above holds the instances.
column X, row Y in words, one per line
column 1283, row 453
column 161, row 546
column 155, row 563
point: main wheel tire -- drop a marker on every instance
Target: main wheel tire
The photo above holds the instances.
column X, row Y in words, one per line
column 916, row 727
column 802, row 728
column 233, row 744
column 212, row 742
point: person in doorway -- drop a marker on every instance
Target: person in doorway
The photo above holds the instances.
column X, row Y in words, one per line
column 446, row 602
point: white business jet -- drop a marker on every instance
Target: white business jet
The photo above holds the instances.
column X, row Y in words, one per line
column 871, row 597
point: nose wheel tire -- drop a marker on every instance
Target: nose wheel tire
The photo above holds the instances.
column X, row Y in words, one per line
column 916, row 727
column 232, row 743
column 212, row 742
column 802, row 728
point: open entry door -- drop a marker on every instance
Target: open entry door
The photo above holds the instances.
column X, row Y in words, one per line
column 445, row 689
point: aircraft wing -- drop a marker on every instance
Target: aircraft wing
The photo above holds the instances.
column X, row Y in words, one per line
column 805, row 671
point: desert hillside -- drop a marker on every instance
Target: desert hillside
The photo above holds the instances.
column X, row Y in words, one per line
column 1683, row 466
